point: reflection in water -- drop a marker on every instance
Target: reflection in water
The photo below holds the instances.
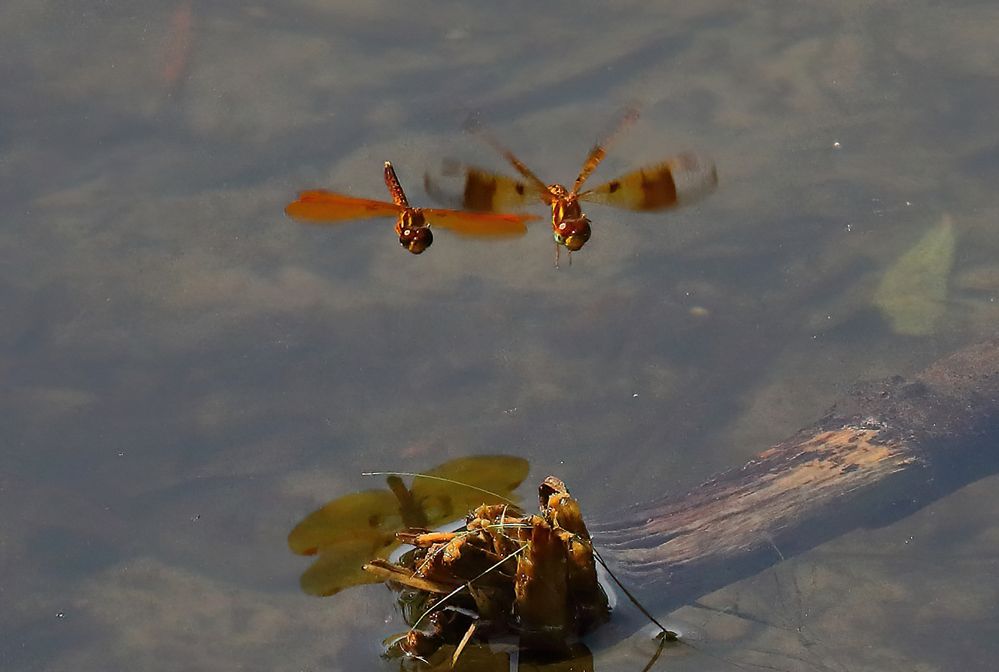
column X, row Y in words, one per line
column 179, row 45
column 499, row 658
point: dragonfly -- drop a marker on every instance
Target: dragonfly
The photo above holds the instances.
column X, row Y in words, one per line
column 678, row 180
column 412, row 225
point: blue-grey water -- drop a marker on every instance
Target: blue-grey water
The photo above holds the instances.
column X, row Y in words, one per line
column 186, row 373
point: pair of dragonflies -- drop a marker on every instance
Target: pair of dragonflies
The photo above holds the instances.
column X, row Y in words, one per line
column 484, row 197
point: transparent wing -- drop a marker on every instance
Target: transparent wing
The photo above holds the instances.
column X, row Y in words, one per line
column 473, row 125
column 599, row 150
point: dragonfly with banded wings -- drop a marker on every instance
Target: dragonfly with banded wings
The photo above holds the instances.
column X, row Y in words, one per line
column 679, row 180
column 412, row 225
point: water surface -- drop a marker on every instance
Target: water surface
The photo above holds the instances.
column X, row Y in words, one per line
column 188, row 373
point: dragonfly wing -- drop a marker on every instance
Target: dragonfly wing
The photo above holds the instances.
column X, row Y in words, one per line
column 677, row 181
column 321, row 206
column 478, row 224
column 599, row 150
column 463, row 186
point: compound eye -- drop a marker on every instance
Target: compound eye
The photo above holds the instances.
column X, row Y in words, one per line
column 559, row 238
column 416, row 240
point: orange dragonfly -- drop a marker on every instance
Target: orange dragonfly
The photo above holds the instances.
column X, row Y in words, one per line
column 676, row 181
column 412, row 225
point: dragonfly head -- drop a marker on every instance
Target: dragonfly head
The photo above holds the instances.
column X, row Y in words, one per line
column 572, row 233
column 570, row 227
column 414, row 233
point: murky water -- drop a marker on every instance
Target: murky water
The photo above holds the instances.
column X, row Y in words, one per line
column 187, row 373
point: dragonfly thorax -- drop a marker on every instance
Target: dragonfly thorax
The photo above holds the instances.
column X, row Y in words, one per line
column 414, row 233
column 570, row 227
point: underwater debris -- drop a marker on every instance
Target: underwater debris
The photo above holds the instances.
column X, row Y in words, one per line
column 351, row 530
column 506, row 572
column 913, row 292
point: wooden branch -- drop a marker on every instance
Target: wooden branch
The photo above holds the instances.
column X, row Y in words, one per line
column 883, row 451
column 386, row 571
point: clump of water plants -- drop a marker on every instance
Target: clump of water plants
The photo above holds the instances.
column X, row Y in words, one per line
column 505, row 572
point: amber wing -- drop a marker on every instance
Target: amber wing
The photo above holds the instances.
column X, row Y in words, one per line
column 677, row 181
column 464, row 186
column 478, row 224
column 320, row 206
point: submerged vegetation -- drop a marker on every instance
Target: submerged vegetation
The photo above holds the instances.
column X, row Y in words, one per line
column 505, row 572
column 912, row 294
column 351, row 530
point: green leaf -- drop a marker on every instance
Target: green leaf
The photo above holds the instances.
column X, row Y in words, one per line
column 443, row 501
column 356, row 528
column 913, row 292
column 372, row 514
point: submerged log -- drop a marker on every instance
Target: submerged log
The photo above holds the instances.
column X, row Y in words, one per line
column 883, row 451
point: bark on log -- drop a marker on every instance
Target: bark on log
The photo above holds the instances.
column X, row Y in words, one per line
column 883, row 451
